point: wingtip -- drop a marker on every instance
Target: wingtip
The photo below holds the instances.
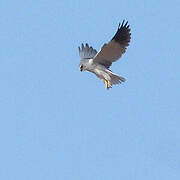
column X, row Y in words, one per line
column 122, row 24
column 126, row 24
column 82, row 46
column 119, row 25
column 87, row 45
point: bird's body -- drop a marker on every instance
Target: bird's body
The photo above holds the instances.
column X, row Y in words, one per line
column 99, row 62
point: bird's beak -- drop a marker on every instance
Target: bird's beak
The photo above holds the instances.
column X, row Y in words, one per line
column 81, row 68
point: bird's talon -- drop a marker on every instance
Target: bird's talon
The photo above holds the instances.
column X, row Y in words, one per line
column 109, row 84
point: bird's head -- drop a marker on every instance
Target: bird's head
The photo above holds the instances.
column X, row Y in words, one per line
column 82, row 67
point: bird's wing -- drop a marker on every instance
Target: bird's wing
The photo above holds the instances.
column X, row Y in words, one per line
column 115, row 48
column 86, row 52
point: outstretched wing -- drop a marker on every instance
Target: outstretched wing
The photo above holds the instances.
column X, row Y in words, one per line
column 86, row 52
column 115, row 48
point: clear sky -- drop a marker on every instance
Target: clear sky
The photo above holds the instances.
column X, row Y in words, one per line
column 57, row 123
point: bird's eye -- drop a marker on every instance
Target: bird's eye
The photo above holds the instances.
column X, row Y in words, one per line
column 81, row 67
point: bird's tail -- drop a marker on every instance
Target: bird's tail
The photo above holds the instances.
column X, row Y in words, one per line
column 115, row 79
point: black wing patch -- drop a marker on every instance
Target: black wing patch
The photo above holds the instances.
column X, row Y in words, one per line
column 123, row 34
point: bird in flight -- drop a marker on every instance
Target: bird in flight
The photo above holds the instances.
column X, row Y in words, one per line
column 99, row 62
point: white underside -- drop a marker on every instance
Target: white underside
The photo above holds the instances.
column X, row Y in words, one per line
column 107, row 75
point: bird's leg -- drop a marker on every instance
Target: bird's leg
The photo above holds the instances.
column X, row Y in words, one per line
column 106, row 84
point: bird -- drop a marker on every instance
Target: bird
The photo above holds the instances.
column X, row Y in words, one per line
column 100, row 62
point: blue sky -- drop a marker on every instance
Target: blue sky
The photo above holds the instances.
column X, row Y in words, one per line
column 60, row 124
